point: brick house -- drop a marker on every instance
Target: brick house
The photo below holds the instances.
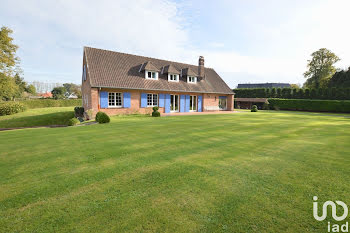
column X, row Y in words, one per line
column 119, row 83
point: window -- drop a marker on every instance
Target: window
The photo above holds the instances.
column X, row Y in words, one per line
column 152, row 100
column 114, row 99
column 84, row 72
column 191, row 79
column 193, row 103
column 173, row 77
column 151, row 75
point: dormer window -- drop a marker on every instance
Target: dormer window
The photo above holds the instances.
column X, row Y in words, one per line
column 191, row 79
column 151, row 75
column 173, row 77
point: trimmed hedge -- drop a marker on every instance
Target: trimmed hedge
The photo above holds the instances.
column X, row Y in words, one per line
column 155, row 112
column 254, row 108
column 45, row 103
column 9, row 108
column 311, row 105
column 102, row 118
column 293, row 93
column 72, row 122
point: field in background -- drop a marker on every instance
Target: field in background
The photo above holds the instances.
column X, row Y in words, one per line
column 243, row 172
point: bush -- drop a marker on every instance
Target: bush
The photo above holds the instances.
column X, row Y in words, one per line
column 254, row 108
column 46, row 103
column 73, row 121
column 79, row 111
column 9, row 108
column 155, row 112
column 102, row 117
column 311, row 105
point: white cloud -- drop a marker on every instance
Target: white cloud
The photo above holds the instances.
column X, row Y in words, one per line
column 51, row 35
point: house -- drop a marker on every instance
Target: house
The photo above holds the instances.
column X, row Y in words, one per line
column 264, row 85
column 45, row 95
column 119, row 83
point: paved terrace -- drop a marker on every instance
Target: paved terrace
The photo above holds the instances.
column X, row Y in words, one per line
column 197, row 113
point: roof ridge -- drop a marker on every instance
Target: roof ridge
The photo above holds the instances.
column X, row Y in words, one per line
column 145, row 57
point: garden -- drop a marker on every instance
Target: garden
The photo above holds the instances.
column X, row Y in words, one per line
column 242, row 172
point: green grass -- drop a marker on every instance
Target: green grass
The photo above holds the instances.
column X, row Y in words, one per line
column 38, row 117
column 244, row 172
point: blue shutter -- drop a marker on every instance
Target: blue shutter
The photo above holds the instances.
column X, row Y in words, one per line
column 199, row 103
column 167, row 103
column 182, row 103
column 187, row 109
column 161, row 100
column 104, row 99
column 127, row 101
column 143, row 100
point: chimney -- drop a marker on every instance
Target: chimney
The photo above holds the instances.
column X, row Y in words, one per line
column 201, row 70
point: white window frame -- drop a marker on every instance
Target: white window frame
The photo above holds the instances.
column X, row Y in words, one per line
column 191, row 79
column 173, row 75
column 153, row 72
column 194, row 103
column 115, row 100
column 152, row 99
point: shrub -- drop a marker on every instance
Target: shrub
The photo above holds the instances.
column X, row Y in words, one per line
column 73, row 121
column 9, row 108
column 79, row 111
column 155, row 112
column 102, row 117
column 311, row 105
column 254, row 108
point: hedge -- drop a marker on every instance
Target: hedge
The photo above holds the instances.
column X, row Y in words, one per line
column 45, row 103
column 311, row 105
column 294, row 93
column 9, row 108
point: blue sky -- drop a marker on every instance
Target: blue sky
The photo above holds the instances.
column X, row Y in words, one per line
column 245, row 41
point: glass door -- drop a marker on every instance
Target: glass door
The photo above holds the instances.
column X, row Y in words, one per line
column 193, row 103
column 174, row 103
column 222, row 102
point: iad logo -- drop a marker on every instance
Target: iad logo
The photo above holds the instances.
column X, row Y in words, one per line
column 334, row 227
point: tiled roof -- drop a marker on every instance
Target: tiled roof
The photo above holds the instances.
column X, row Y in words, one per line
column 120, row 70
column 170, row 69
column 148, row 66
column 189, row 72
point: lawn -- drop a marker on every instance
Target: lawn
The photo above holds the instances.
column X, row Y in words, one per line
column 243, row 172
column 38, row 117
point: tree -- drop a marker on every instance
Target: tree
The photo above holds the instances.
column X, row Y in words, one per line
column 320, row 68
column 340, row 79
column 59, row 92
column 8, row 58
column 8, row 87
column 31, row 89
column 20, row 83
column 73, row 89
column 294, row 86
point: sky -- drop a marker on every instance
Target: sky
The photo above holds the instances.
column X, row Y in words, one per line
column 244, row 41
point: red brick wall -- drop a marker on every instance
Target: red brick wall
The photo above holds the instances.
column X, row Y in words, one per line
column 208, row 100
